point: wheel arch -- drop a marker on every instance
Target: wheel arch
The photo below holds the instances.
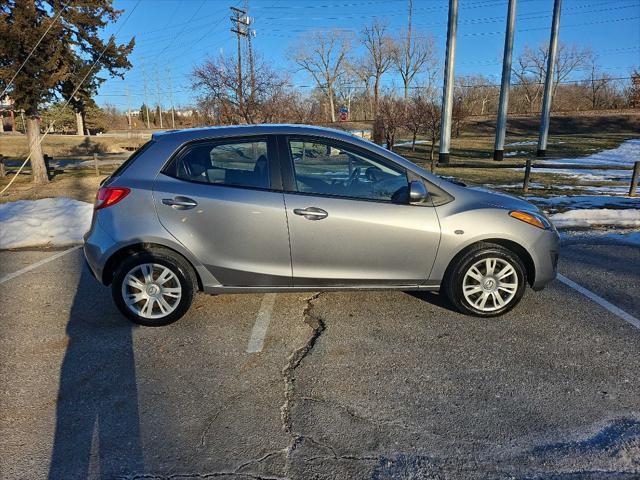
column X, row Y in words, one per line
column 510, row 245
column 119, row 255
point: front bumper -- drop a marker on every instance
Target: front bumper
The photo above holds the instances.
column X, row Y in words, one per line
column 545, row 254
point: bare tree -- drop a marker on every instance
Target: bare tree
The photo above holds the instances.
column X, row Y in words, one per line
column 597, row 84
column 391, row 116
column 323, row 56
column 531, row 67
column 431, row 115
column 379, row 48
column 413, row 55
column 477, row 93
column 459, row 114
column 217, row 81
column 632, row 92
column 364, row 73
column 415, row 118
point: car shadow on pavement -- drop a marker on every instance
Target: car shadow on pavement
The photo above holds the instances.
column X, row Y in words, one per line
column 434, row 298
column 97, row 432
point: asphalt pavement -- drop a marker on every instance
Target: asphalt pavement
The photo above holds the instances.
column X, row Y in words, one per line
column 358, row 385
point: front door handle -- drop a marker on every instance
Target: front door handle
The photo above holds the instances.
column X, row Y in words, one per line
column 311, row 213
column 180, row 203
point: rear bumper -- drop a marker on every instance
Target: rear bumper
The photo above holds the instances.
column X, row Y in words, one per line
column 96, row 245
column 545, row 258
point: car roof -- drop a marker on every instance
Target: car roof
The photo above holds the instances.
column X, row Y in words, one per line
column 190, row 134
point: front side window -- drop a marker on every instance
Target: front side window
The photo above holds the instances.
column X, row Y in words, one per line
column 330, row 169
column 238, row 163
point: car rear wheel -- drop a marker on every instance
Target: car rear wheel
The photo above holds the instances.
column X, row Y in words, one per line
column 487, row 281
column 153, row 288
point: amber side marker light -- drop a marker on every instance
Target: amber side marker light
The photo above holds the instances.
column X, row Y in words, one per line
column 528, row 218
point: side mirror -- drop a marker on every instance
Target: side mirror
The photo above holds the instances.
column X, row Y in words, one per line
column 417, row 192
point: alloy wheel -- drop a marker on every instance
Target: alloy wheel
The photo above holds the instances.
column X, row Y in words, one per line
column 490, row 284
column 151, row 290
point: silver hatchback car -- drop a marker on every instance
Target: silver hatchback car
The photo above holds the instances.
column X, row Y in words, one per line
column 278, row 208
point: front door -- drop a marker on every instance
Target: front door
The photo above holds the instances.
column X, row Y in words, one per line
column 216, row 198
column 350, row 222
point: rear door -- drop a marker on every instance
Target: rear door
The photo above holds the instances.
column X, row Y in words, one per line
column 222, row 200
column 350, row 222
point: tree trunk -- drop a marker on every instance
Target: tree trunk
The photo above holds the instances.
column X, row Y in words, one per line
column 39, row 174
column 79, row 123
column 376, row 95
column 331, row 105
column 84, row 123
column 413, row 142
column 406, row 89
column 14, row 127
column 1, row 122
column 433, row 146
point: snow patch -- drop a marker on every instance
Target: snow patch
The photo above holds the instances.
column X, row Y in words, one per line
column 601, row 216
column 626, row 154
column 515, row 154
column 522, row 144
column 587, row 201
column 50, row 221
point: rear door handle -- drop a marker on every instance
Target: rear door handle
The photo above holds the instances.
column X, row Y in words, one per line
column 180, row 203
column 311, row 213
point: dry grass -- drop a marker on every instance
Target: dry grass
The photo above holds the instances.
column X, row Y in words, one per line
column 470, row 147
column 15, row 147
column 80, row 185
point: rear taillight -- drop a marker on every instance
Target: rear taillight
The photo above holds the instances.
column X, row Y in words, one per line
column 108, row 196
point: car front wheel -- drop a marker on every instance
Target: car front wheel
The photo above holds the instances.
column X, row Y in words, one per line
column 487, row 281
column 153, row 288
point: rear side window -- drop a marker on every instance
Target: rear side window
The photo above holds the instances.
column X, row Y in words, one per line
column 234, row 163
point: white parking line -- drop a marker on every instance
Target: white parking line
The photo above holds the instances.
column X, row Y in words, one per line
column 263, row 318
column 601, row 301
column 33, row 266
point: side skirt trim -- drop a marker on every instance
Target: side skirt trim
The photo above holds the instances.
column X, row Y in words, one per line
column 431, row 287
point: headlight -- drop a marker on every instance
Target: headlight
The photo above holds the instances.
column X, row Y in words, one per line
column 535, row 219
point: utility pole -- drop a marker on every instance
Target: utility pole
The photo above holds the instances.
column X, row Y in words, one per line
column 249, row 33
column 129, row 120
column 407, row 47
column 503, row 108
column 548, row 82
column 158, row 96
column 237, row 21
column 173, row 110
column 146, row 99
column 447, row 89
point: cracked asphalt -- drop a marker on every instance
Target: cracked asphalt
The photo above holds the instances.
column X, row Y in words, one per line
column 358, row 385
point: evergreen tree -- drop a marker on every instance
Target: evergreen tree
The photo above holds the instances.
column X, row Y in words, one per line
column 60, row 60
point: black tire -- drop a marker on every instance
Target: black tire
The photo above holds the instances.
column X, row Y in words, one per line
column 453, row 284
column 177, row 264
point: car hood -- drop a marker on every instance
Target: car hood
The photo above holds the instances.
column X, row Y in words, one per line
column 497, row 199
